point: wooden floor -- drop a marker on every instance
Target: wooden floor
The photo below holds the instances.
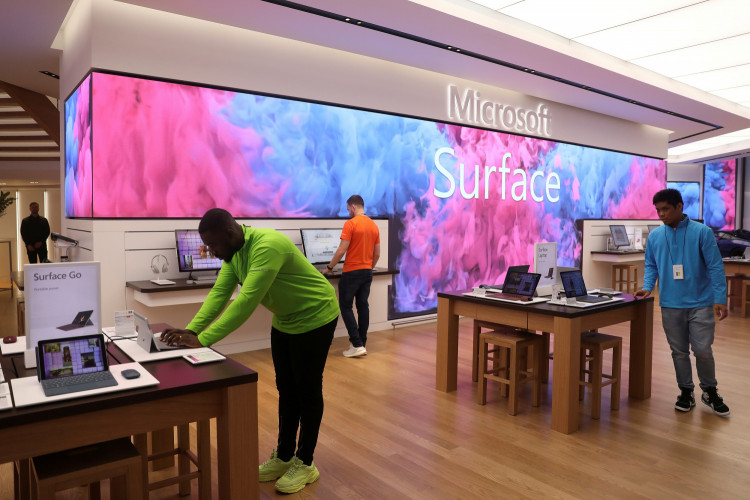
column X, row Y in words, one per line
column 387, row 433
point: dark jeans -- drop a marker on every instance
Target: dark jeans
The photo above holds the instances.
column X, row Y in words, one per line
column 41, row 252
column 299, row 360
column 355, row 285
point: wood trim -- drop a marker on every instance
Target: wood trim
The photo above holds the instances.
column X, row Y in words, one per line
column 38, row 106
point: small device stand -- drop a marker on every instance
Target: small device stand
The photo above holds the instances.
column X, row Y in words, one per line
column 202, row 278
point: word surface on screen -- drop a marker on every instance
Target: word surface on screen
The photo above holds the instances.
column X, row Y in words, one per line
column 319, row 245
column 193, row 254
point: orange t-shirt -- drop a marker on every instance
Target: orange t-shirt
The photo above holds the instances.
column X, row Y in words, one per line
column 362, row 234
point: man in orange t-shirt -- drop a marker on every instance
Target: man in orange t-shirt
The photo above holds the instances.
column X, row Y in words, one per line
column 360, row 241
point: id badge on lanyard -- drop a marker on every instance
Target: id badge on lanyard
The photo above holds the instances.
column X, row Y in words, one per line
column 677, row 272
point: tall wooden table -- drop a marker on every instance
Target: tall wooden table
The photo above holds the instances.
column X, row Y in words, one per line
column 224, row 390
column 566, row 323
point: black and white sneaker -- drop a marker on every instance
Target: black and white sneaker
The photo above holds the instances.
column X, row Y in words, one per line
column 711, row 398
column 685, row 401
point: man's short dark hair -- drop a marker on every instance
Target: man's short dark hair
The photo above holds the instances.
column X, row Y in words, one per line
column 216, row 218
column 357, row 200
column 670, row 196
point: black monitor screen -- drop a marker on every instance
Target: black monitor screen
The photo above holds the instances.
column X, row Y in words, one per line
column 192, row 254
column 619, row 235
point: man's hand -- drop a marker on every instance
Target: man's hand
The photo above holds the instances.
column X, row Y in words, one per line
column 176, row 336
column 38, row 244
column 721, row 311
column 30, row 248
column 642, row 294
column 326, row 271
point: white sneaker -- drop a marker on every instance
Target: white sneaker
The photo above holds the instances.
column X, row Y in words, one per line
column 354, row 352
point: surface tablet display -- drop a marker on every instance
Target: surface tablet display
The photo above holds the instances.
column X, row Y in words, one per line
column 574, row 286
column 619, row 235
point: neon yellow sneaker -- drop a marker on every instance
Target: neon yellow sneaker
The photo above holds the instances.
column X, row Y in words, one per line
column 273, row 468
column 297, row 477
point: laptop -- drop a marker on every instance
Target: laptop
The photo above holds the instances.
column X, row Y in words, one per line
column 72, row 365
column 83, row 318
column 574, row 286
column 319, row 245
column 518, row 269
column 518, row 286
column 146, row 338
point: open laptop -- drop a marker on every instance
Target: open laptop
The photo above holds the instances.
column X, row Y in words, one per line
column 518, row 269
column 574, row 286
column 146, row 338
column 518, row 286
column 83, row 318
column 72, row 365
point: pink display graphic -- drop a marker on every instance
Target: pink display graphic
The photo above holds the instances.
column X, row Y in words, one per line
column 78, row 162
column 462, row 203
column 719, row 188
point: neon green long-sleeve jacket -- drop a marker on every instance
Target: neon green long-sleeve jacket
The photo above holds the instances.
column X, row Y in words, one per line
column 271, row 271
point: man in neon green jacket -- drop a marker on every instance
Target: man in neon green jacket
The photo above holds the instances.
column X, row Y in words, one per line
column 273, row 272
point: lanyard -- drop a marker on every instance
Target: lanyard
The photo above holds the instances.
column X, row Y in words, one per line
column 684, row 237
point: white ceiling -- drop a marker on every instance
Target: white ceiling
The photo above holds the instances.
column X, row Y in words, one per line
column 704, row 44
column 684, row 57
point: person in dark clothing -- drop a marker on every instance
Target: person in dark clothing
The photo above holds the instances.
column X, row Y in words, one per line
column 34, row 232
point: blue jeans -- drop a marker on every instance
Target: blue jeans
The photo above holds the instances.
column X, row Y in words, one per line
column 355, row 285
column 694, row 328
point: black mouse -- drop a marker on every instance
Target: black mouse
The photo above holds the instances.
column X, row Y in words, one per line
column 131, row 373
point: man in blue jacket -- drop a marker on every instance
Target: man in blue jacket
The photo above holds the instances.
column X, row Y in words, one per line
column 692, row 290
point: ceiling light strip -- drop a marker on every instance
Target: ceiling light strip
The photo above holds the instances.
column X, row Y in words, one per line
column 426, row 41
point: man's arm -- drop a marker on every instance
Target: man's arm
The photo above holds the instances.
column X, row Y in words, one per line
column 375, row 255
column 715, row 267
column 340, row 251
column 651, row 273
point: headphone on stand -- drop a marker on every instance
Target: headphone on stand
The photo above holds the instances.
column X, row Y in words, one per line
column 155, row 264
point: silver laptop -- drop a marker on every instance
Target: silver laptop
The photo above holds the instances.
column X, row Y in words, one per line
column 574, row 286
column 146, row 338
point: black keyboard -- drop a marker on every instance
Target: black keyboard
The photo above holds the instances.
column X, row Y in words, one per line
column 77, row 383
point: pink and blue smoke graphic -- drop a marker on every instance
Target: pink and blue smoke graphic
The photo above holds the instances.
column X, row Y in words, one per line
column 691, row 197
column 171, row 150
column 719, row 194
column 78, row 164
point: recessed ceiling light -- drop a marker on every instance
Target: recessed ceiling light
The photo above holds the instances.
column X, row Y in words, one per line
column 49, row 73
column 33, row 182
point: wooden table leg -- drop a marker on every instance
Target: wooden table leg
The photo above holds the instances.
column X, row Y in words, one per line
column 162, row 440
column 237, row 444
column 140, row 441
column 204, row 459
column 565, row 376
column 446, row 362
column 641, row 347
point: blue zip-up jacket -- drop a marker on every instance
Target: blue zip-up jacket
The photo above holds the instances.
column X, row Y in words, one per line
column 705, row 282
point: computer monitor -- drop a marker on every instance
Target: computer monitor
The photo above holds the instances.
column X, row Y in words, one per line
column 619, row 235
column 192, row 254
column 653, row 227
column 319, row 245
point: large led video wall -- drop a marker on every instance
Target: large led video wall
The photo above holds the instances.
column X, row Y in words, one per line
column 462, row 203
column 719, row 188
column 78, row 168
